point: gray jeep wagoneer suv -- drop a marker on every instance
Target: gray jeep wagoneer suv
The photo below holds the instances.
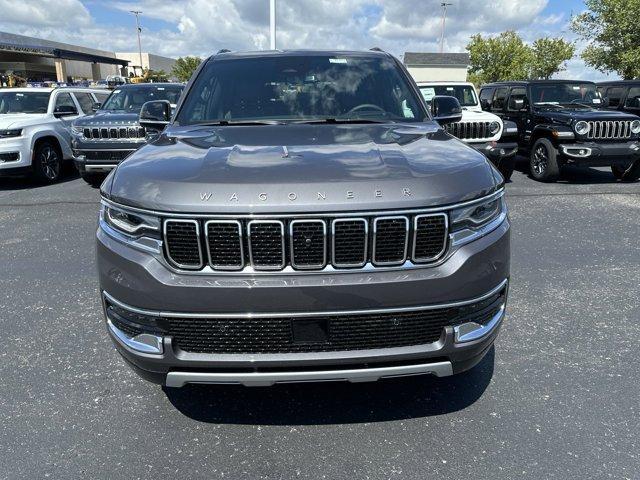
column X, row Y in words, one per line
column 302, row 217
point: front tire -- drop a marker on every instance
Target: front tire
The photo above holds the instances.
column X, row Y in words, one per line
column 47, row 162
column 630, row 174
column 93, row 179
column 543, row 161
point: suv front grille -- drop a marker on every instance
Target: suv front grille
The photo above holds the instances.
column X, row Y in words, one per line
column 334, row 332
column 609, row 130
column 305, row 244
column 469, row 130
column 112, row 133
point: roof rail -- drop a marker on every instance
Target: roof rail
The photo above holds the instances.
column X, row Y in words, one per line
column 377, row 49
column 223, row 50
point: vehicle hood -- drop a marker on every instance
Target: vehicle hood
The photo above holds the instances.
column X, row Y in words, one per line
column 478, row 116
column 21, row 120
column 567, row 115
column 101, row 118
column 296, row 168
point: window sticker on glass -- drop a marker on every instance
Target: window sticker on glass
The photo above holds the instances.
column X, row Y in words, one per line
column 338, row 60
column 117, row 91
column 428, row 93
column 596, row 100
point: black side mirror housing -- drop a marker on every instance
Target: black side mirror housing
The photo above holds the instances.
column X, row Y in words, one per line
column 65, row 111
column 484, row 104
column 155, row 115
column 445, row 109
column 605, row 102
column 516, row 104
column 96, row 107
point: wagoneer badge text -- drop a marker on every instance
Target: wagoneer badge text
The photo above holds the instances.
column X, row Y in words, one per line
column 293, row 196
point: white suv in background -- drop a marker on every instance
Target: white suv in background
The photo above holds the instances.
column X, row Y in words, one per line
column 35, row 128
column 483, row 131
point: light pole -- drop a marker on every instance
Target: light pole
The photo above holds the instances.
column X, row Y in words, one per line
column 272, row 22
column 444, row 6
column 138, row 29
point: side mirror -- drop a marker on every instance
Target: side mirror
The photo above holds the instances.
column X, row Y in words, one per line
column 445, row 109
column 155, row 115
column 65, row 111
column 95, row 107
column 516, row 104
column 484, row 104
column 605, row 102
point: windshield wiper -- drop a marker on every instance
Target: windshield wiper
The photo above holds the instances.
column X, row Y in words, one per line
column 339, row 120
column 239, row 122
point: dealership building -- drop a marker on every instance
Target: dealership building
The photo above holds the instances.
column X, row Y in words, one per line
column 425, row 67
column 38, row 60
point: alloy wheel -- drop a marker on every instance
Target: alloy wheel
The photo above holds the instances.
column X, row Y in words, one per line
column 540, row 160
column 49, row 162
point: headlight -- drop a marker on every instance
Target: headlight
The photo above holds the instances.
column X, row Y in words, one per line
column 581, row 127
column 131, row 224
column 635, row 126
column 476, row 216
column 494, row 127
column 16, row 132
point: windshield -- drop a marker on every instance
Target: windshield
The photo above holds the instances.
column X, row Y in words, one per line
column 465, row 94
column 300, row 88
column 565, row 94
column 131, row 99
column 24, row 102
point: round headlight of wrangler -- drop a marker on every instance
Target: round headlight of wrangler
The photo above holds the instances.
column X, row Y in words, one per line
column 635, row 126
column 582, row 128
column 494, row 127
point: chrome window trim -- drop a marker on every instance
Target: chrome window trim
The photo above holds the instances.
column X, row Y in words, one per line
column 324, row 245
column 240, row 238
column 164, row 239
column 333, row 242
column 283, row 241
column 406, row 240
column 105, row 150
column 345, row 214
column 327, row 313
column 415, row 235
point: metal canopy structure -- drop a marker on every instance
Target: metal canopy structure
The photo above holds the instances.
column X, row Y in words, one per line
column 61, row 53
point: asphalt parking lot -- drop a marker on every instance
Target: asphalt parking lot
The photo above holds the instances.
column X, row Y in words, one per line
column 558, row 398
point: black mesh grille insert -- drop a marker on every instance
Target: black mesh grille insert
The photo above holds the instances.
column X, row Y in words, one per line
column 183, row 243
column 308, row 243
column 225, row 244
column 116, row 155
column 345, row 332
column 430, row 237
column 390, row 240
column 266, row 243
column 350, row 242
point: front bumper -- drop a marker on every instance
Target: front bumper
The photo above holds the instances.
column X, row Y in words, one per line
column 139, row 282
column 101, row 156
column 15, row 155
column 600, row 154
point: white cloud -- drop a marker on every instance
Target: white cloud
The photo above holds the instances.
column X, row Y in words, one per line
column 201, row 27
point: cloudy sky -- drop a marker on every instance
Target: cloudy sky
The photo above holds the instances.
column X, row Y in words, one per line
column 201, row 27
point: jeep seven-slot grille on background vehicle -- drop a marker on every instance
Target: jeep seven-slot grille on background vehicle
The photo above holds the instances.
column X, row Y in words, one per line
column 469, row 130
column 114, row 133
column 609, row 130
column 304, row 244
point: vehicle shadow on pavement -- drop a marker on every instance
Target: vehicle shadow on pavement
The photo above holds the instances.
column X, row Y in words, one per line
column 575, row 175
column 69, row 173
column 334, row 402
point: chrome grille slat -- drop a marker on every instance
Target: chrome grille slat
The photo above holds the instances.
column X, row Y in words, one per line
column 266, row 244
column 308, row 241
column 609, row 130
column 429, row 237
column 224, row 241
column 469, row 130
column 114, row 133
column 350, row 242
column 183, row 246
column 390, row 239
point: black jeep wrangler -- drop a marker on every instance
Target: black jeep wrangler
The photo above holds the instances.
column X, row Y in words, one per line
column 563, row 122
column 623, row 95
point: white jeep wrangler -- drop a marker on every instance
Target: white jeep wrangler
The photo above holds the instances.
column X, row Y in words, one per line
column 481, row 130
column 35, row 128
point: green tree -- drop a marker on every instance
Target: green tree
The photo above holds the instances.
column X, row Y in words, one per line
column 611, row 29
column 184, row 67
column 549, row 56
column 507, row 57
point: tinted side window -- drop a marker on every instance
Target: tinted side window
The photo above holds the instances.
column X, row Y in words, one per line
column 615, row 95
column 517, row 93
column 85, row 100
column 486, row 94
column 64, row 100
column 499, row 98
column 633, row 99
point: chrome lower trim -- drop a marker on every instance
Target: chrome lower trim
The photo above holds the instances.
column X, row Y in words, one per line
column 470, row 331
column 158, row 313
column 574, row 152
column 100, row 168
column 145, row 342
column 356, row 375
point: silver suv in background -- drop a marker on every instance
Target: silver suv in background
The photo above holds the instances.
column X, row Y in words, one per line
column 35, row 128
column 302, row 217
